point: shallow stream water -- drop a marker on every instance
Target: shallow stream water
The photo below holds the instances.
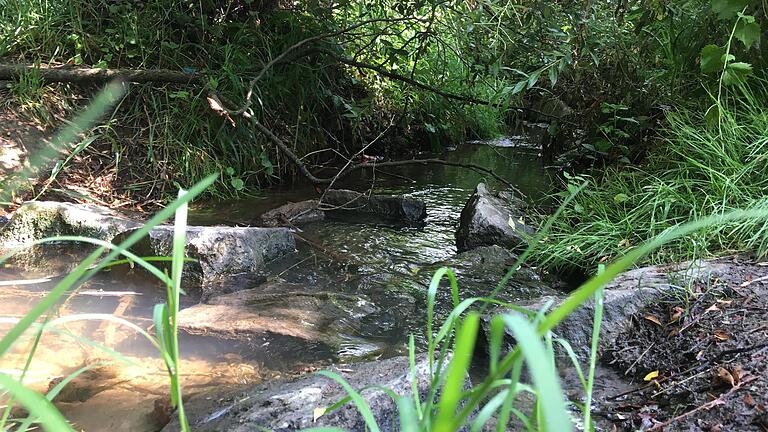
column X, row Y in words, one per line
column 383, row 266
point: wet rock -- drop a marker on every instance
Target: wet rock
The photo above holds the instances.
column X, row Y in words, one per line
column 285, row 309
column 404, row 209
column 40, row 219
column 293, row 214
column 340, row 203
column 288, row 405
column 624, row 296
column 492, row 219
column 480, row 270
column 222, row 254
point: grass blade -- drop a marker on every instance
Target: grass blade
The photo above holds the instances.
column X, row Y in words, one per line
column 36, row 404
column 357, row 399
column 457, row 372
column 547, row 383
column 593, row 359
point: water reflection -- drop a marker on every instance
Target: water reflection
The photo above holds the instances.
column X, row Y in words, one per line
column 387, row 266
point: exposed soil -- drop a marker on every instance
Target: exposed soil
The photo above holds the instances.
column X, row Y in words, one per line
column 18, row 138
column 91, row 176
column 699, row 359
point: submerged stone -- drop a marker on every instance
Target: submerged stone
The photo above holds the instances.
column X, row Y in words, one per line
column 222, row 255
column 480, row 270
column 492, row 219
column 293, row 214
column 285, row 309
column 346, row 203
column 288, row 405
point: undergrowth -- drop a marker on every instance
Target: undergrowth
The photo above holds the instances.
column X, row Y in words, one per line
column 163, row 135
column 703, row 167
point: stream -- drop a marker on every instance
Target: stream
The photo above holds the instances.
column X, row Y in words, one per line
column 385, row 268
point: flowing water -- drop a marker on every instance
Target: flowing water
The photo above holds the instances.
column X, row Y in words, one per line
column 382, row 271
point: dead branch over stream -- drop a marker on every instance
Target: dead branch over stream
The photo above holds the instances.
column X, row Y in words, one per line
column 364, row 165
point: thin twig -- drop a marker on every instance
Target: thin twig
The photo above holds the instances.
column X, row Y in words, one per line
column 707, row 406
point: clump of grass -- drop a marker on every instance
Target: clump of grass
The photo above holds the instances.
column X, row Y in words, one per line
column 699, row 169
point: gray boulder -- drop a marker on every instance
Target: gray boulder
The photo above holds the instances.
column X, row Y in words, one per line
column 623, row 297
column 289, row 405
column 224, row 256
column 39, row 219
column 492, row 219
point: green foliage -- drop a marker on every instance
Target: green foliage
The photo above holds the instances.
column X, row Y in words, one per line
column 702, row 168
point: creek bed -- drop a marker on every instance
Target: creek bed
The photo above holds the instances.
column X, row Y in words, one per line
column 384, row 265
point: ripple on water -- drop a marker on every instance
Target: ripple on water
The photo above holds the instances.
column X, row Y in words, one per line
column 386, row 266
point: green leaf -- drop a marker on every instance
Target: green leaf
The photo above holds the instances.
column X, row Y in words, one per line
column 237, row 183
column 747, row 33
column 741, row 67
column 747, row 18
column 736, row 73
column 519, row 86
column 533, row 78
column 620, row 198
column 727, row 9
column 552, row 76
column 266, row 163
column 711, row 58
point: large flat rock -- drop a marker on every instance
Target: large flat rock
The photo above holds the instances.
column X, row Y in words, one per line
column 224, row 256
column 624, row 296
column 282, row 309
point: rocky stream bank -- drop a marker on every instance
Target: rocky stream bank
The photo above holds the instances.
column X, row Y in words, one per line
column 685, row 344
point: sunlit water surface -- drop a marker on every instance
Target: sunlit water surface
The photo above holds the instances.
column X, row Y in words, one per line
column 381, row 264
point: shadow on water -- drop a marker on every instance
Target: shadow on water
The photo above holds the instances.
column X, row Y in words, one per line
column 383, row 269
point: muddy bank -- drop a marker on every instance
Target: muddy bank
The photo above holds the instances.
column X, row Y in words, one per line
column 697, row 357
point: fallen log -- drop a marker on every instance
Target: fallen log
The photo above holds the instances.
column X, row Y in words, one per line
column 96, row 75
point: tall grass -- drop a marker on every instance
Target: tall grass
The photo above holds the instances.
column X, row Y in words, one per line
column 169, row 133
column 699, row 169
